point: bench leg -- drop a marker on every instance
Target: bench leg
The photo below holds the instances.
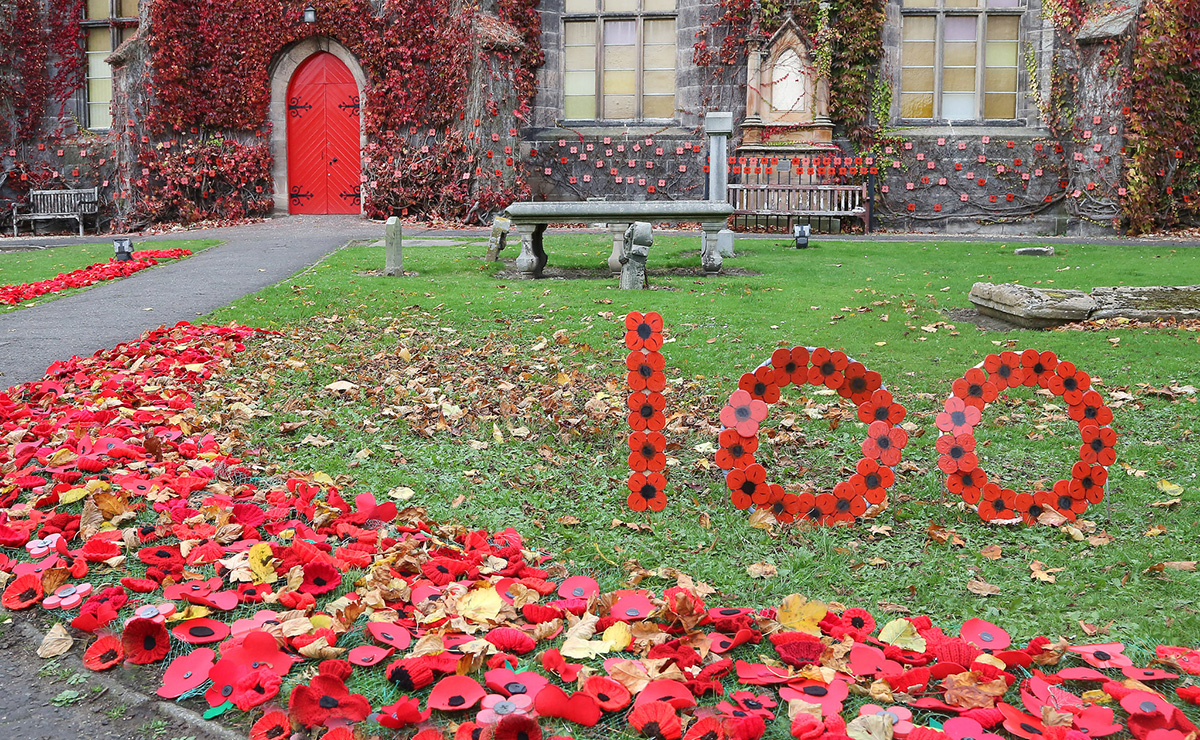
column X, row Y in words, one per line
column 80, row 225
column 618, row 237
column 710, row 255
column 532, row 259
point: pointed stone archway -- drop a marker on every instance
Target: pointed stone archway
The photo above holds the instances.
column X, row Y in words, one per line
column 281, row 72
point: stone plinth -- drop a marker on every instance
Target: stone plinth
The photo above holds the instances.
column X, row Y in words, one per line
column 1030, row 307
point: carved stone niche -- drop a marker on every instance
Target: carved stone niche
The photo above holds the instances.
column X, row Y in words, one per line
column 784, row 92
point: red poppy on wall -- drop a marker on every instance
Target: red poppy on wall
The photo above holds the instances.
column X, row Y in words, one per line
column 871, row 480
column 997, row 504
column 646, row 451
column 743, row 413
column 957, row 452
column 1069, row 383
column 1097, row 447
column 859, row 383
column 884, row 443
column 646, row 411
column 1091, row 411
column 1039, row 367
column 748, row 486
column 881, row 407
column 783, row 506
column 958, row 417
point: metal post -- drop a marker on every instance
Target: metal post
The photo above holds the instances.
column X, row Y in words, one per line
column 393, row 245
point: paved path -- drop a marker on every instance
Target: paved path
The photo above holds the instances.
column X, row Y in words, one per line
column 253, row 257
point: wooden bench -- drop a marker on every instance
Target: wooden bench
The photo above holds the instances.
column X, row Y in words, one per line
column 530, row 221
column 797, row 201
column 50, row 205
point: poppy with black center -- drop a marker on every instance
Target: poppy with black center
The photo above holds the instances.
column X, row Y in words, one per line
column 517, row 727
column 271, row 726
column 145, row 641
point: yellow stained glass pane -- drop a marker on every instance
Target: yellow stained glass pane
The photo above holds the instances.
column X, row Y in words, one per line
column 579, row 33
column 659, row 82
column 658, row 57
column 619, row 106
column 916, row 105
column 999, row 105
column 619, row 82
column 620, row 6
column 97, row 9
column 1002, row 54
column 658, row 6
column 580, row 83
column 917, row 54
column 99, row 116
column 619, row 58
column 99, row 39
column 658, row 106
column 1001, row 80
column 579, row 6
column 920, row 3
column 658, row 32
column 128, row 8
column 580, row 106
column 962, row 3
column 916, row 79
column 959, row 55
column 1002, row 27
column 958, row 80
column 98, row 69
column 99, row 90
column 579, row 58
column 919, row 28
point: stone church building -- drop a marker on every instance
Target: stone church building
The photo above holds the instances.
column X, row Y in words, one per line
column 958, row 116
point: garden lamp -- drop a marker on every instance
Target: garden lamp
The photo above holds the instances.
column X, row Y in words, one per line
column 310, row 14
column 123, row 247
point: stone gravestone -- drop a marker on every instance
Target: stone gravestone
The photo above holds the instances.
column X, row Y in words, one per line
column 1030, row 307
column 498, row 240
column 393, row 242
column 636, row 249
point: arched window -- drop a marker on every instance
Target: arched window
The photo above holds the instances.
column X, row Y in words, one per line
column 789, row 82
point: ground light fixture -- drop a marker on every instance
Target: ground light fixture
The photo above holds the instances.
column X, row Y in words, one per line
column 123, row 248
column 310, row 14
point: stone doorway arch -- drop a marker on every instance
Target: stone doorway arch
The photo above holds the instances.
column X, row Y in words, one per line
column 281, row 71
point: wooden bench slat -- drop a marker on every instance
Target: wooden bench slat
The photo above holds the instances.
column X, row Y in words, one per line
column 48, row 205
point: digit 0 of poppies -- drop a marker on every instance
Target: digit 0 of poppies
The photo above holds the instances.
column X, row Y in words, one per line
column 647, row 445
column 963, row 411
column 748, row 406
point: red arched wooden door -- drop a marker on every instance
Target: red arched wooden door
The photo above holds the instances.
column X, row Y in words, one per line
column 322, row 138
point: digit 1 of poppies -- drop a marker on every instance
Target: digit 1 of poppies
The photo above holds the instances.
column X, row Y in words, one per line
column 647, row 445
column 963, row 411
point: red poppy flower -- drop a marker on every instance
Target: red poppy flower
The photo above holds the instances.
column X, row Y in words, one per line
column 860, row 383
column 1190, row 694
column 646, row 451
column 553, row 662
column 1004, row 370
column 815, row 509
column 828, row 695
column 853, row 622
column 974, row 389
column 539, row 613
column 984, row 634
column 402, row 712
column 957, row 452
column 631, row 606
column 828, row 368
column 1185, row 659
column 643, row 331
column 140, row 585
column 145, row 641
column 442, row 570
column 271, row 726
column 255, row 688
column 187, row 672
column 517, row 727
column 319, row 578
column 958, row 417
column 104, row 653
column 646, row 492
column 968, row 484
column 611, row 695
column 791, row 366
column 1020, row 724
column 581, row 708
column 783, row 505
column 509, row 683
column 1097, row 447
column 510, row 640
column 1090, row 411
column 884, row 443
column 646, row 371
column 1030, row 506
column 455, row 693
column 996, row 503
column 748, row 486
column 324, row 698
column 799, row 653
column 760, row 384
column 1069, row 383
column 706, row 728
column 881, row 407
column 743, row 413
column 646, row 411
column 736, row 451
column 1039, row 367
column 847, row 503
column 1103, row 655
column 23, row 592
column 965, row 728
column 201, row 631
column 656, row 720
column 409, row 674
column 1066, row 502
column 871, row 480
column 760, row 704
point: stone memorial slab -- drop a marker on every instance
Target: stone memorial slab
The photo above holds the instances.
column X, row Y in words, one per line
column 1031, row 308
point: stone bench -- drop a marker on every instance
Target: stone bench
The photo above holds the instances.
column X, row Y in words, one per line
column 530, row 221
column 52, row 205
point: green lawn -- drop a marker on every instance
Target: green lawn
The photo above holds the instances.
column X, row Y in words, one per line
column 44, row 264
column 473, row 392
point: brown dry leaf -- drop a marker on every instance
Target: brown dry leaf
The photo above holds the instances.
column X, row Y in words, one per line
column 763, row 519
column 799, row 706
column 894, row 608
column 1054, row 718
column 870, row 727
column 1051, row 518
column 52, row 578
column 762, row 570
column 1039, row 572
column 881, row 691
column 981, row 587
column 991, row 552
column 458, row 501
column 320, row 649
column 964, row 690
column 427, row 645
column 902, row 634
column 569, row 520
column 1052, row 653
column 1169, row 503
column 1092, row 630
column 55, row 643
column 1156, row 530
column 1172, row 565
column 631, row 674
column 799, row 614
column 288, row 427
column 1101, row 539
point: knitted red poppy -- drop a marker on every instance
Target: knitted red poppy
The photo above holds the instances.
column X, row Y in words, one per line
column 255, row 688
column 656, row 720
column 554, row 662
column 611, row 695
column 517, row 727
column 510, row 640
column 145, row 641
column 707, row 728
column 325, row 698
column 409, row 674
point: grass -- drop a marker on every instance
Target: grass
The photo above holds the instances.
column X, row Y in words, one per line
column 44, row 264
column 431, row 416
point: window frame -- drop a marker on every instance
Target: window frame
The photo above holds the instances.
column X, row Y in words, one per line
column 117, row 26
column 981, row 14
column 599, row 18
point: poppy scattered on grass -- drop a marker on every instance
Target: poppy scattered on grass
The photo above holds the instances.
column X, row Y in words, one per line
column 271, row 726
column 104, row 653
column 326, row 698
column 145, row 641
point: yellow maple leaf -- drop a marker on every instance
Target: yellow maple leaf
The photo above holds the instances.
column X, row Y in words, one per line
column 260, row 564
column 799, row 614
column 902, row 634
column 618, row 636
column 480, row 605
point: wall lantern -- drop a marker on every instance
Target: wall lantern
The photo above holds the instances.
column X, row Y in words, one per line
column 310, row 14
column 123, row 248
